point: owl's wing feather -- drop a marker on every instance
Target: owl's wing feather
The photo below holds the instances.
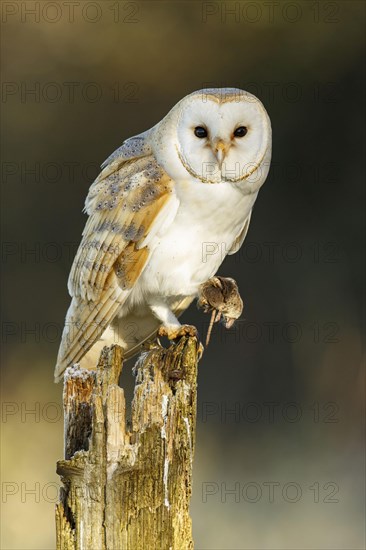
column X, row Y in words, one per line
column 240, row 238
column 124, row 206
column 84, row 325
column 132, row 148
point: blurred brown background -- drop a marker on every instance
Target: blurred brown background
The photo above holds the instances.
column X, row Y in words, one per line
column 280, row 444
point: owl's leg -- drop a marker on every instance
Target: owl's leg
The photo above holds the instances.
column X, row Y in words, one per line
column 162, row 311
column 171, row 327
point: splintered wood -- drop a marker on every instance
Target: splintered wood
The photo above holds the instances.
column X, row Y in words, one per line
column 129, row 489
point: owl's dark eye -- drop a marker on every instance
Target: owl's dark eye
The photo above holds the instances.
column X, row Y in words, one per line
column 241, row 131
column 200, row 132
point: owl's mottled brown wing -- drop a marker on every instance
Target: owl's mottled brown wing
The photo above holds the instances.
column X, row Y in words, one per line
column 127, row 203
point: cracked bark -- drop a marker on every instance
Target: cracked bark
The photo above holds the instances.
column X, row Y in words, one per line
column 129, row 489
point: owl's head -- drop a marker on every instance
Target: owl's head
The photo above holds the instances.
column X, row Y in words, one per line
column 215, row 135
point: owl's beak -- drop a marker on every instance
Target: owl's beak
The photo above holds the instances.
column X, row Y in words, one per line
column 220, row 149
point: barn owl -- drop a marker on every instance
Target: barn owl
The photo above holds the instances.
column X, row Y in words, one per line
column 166, row 209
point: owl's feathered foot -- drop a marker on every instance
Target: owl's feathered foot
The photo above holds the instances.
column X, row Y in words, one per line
column 178, row 332
column 174, row 333
column 220, row 295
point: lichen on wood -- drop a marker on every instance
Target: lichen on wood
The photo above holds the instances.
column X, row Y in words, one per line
column 129, row 488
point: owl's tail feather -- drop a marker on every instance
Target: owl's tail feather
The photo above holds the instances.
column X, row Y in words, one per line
column 84, row 325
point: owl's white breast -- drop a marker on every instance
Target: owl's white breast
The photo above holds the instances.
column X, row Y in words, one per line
column 191, row 249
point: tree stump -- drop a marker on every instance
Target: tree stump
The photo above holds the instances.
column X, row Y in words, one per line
column 125, row 488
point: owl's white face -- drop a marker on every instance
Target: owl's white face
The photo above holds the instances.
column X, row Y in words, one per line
column 222, row 135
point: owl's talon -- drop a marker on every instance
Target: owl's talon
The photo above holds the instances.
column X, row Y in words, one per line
column 178, row 332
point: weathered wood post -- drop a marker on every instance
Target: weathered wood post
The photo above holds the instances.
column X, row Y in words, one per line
column 129, row 488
